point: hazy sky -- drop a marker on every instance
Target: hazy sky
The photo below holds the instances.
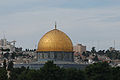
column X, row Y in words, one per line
column 89, row 22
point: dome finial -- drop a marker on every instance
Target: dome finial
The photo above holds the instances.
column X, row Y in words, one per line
column 55, row 25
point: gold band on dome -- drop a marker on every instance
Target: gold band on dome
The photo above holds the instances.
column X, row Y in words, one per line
column 55, row 40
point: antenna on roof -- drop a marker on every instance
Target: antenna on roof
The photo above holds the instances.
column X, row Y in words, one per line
column 4, row 35
column 114, row 44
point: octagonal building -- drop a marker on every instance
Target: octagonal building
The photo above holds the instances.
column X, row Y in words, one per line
column 55, row 45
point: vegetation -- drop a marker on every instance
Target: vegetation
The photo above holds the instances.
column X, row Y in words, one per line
column 50, row 71
column 99, row 71
column 3, row 74
column 4, row 64
column 10, row 66
column 112, row 54
column 8, row 55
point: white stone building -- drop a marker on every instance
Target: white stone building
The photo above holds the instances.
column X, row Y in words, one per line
column 79, row 48
column 4, row 45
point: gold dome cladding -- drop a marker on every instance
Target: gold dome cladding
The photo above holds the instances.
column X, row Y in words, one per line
column 55, row 40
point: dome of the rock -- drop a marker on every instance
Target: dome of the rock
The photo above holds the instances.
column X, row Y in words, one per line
column 55, row 40
column 55, row 45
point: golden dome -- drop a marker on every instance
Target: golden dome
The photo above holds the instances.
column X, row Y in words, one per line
column 55, row 40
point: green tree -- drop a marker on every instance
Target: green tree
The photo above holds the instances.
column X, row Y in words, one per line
column 96, row 58
column 116, row 73
column 30, row 75
column 51, row 71
column 6, row 55
column 10, row 65
column 15, row 72
column 99, row 71
column 13, row 55
column 4, row 64
column 3, row 74
column 93, row 50
column 74, row 74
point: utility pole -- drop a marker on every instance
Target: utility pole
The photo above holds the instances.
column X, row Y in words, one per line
column 98, row 45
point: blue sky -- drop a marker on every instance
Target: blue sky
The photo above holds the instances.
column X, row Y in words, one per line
column 90, row 22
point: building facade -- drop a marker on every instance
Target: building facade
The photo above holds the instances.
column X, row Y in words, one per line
column 7, row 46
column 79, row 48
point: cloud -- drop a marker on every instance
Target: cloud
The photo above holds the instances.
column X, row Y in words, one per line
column 82, row 25
column 12, row 6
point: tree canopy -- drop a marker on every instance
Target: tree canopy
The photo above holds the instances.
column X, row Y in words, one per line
column 50, row 71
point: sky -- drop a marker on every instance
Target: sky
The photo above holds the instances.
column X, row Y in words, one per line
column 88, row 22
